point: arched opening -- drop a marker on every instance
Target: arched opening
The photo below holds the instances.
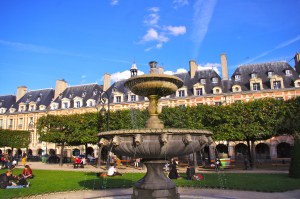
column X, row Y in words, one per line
column 90, row 151
column 76, row 152
column 0, row 152
column 52, row 152
column 29, row 152
column 240, row 151
column 40, row 152
column 9, row 151
column 19, row 152
column 222, row 151
column 262, row 151
column 283, row 150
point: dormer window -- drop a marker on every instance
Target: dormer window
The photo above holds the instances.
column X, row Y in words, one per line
column 270, row 74
column 65, row 105
column 202, row 81
column 181, row 93
column 277, row 84
column 237, row 77
column 256, row 86
column 215, row 80
column 31, row 107
column 288, row 72
column 83, row 94
column 42, row 107
column 199, row 91
column 253, row 75
column 90, row 103
column 77, row 104
column 38, row 99
column 117, row 99
column 22, row 108
column 132, row 98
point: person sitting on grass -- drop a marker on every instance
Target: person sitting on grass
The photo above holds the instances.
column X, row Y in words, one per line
column 5, row 181
column 22, row 181
column 112, row 171
column 27, row 172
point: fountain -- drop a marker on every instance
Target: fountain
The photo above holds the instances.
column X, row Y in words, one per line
column 155, row 144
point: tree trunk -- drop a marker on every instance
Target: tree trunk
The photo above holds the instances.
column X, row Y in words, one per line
column 252, row 154
column 249, row 153
column 85, row 150
column 61, row 154
column 99, row 155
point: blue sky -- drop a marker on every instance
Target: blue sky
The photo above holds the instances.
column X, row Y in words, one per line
column 79, row 41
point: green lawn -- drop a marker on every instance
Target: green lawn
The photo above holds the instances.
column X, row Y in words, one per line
column 56, row 181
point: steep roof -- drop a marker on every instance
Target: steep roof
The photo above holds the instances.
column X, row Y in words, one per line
column 6, row 101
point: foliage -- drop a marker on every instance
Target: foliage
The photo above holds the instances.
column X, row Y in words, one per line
column 294, row 171
column 43, row 182
column 14, row 138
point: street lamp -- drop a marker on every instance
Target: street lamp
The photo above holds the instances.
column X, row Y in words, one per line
column 101, row 112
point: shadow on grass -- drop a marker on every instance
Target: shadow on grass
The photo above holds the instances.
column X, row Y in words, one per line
column 106, row 183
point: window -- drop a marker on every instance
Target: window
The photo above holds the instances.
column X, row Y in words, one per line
column 270, row 73
column 237, row 77
column 1, row 123
column 31, row 108
column 38, row 99
column 132, row 98
column 256, row 86
column 236, row 89
column 202, row 81
column 199, row 91
column 182, row 105
column 78, row 105
column 118, row 99
column 10, row 123
column 253, row 75
column 22, row 108
column 276, row 84
column 65, row 105
column 218, row 103
column 288, row 72
column 214, row 80
column 217, row 90
column 181, row 93
column 20, row 124
column 91, row 103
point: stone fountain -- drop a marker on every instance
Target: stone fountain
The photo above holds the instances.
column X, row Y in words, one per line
column 155, row 144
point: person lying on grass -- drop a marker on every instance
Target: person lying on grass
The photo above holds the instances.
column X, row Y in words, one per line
column 112, row 171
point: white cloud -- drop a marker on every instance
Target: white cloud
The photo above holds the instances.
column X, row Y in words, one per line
column 179, row 70
column 114, row 2
column 180, row 3
column 214, row 66
column 123, row 75
column 176, row 30
column 203, row 11
column 153, row 35
column 150, row 35
column 83, row 76
column 281, row 45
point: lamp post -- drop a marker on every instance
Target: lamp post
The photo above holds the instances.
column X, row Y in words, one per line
column 101, row 112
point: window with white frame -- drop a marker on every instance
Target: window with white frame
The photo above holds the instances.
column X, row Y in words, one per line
column 218, row 103
column 31, row 107
column 77, row 104
column 237, row 77
column 202, row 81
column 270, row 73
column 236, row 88
column 276, row 84
column 10, row 124
column 22, row 108
column 215, row 80
column 256, row 86
column 65, row 105
column 199, row 91
column 132, row 98
column 181, row 93
column 42, row 107
column 288, row 72
column 20, row 123
column 117, row 99
column 90, row 103
column 2, row 110
column 253, row 75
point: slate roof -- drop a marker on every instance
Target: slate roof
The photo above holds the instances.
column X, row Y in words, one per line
column 40, row 97
column 6, row 101
column 83, row 91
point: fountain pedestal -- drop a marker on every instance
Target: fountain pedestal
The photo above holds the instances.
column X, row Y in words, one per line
column 155, row 184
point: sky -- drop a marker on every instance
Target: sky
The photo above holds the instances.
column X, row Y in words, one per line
column 80, row 41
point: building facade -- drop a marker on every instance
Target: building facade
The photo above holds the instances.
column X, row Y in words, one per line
column 277, row 80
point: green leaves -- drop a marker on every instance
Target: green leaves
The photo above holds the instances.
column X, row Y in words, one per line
column 14, row 138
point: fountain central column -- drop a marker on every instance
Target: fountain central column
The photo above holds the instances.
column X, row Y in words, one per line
column 154, row 122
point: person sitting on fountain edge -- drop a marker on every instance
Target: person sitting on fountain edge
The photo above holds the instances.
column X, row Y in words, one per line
column 173, row 174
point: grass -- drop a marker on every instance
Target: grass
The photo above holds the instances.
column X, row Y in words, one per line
column 46, row 181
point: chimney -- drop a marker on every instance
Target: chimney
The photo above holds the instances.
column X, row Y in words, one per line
column 224, row 66
column 21, row 91
column 61, row 85
column 193, row 68
column 160, row 70
column 297, row 62
column 106, row 81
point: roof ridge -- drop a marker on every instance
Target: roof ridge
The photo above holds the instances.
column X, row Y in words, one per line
column 260, row 63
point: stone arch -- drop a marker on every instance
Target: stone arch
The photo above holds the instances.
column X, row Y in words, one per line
column 222, row 150
column 241, row 150
column 52, row 152
column 40, row 151
column 283, row 150
column 76, row 152
column 29, row 152
column 262, row 151
column 90, row 151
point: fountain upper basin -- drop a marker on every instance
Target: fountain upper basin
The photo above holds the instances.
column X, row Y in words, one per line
column 154, row 84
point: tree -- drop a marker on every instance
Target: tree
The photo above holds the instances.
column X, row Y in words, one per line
column 55, row 129
column 14, row 138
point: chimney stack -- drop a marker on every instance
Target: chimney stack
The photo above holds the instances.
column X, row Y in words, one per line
column 297, row 62
column 21, row 91
column 193, row 68
column 61, row 85
column 224, row 66
column 106, row 81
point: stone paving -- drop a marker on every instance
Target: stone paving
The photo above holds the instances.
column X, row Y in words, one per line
column 184, row 192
